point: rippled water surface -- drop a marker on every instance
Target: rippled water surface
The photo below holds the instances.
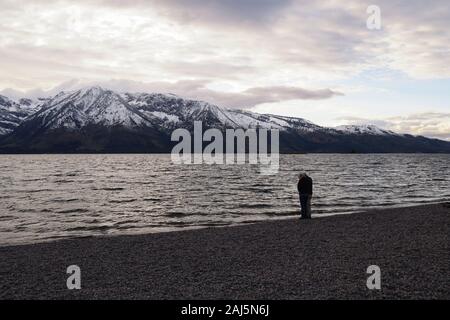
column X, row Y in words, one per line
column 45, row 197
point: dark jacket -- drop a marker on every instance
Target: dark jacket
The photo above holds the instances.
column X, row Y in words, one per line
column 305, row 185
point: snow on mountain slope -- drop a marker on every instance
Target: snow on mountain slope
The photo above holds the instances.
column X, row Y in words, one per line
column 174, row 110
column 364, row 129
column 13, row 112
column 93, row 105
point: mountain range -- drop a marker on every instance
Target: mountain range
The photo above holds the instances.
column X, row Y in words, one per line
column 98, row 120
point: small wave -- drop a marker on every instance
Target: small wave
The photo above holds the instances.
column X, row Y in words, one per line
column 253, row 189
column 7, row 218
column 123, row 201
column 35, row 191
column 71, row 174
column 152, row 199
column 177, row 223
column 31, row 180
column 261, row 185
column 258, row 190
column 282, row 214
column 65, row 200
column 133, row 227
column 256, row 205
column 111, row 189
column 26, row 210
column 176, row 214
column 126, row 221
column 78, row 210
column 354, row 198
column 89, row 228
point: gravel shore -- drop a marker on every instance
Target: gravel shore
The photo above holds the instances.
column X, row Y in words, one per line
column 324, row 258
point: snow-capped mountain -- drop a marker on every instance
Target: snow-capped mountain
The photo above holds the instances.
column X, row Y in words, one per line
column 12, row 112
column 364, row 129
column 94, row 119
column 95, row 105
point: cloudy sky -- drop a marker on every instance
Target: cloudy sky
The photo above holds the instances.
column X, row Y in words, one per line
column 311, row 59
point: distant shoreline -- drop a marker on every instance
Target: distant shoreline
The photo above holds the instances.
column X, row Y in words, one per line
column 282, row 259
column 168, row 153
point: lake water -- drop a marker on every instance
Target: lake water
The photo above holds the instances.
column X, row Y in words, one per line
column 46, row 197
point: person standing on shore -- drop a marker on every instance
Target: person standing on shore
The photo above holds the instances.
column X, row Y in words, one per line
column 305, row 191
